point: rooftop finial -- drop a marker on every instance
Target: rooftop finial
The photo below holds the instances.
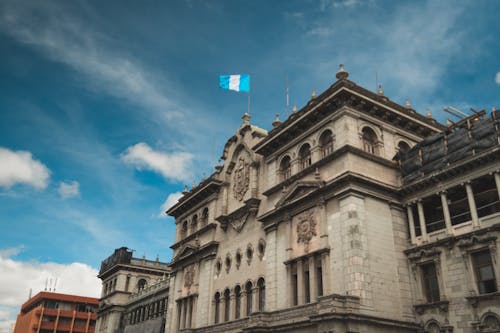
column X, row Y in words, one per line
column 246, row 119
column 277, row 120
column 313, row 94
column 408, row 104
column 428, row 113
column 294, row 110
column 342, row 73
column 185, row 190
column 380, row 90
column 218, row 167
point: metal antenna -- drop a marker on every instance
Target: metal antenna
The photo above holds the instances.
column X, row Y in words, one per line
column 287, row 95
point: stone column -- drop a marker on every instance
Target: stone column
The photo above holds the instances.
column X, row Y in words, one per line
column 323, row 223
column 243, row 306
column 189, row 312
column 194, row 301
column 325, row 268
column 181, row 314
column 288, row 221
column 315, row 154
column 254, row 179
column 313, row 286
column 222, row 308
column 300, row 283
column 289, row 285
column 446, row 213
column 409, row 211
column 421, row 217
column 472, row 205
column 497, row 181
column 184, row 312
column 255, row 302
column 232, row 307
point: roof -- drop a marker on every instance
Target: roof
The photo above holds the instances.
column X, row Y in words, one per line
column 45, row 295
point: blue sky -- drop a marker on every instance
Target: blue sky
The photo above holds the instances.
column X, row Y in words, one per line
column 108, row 108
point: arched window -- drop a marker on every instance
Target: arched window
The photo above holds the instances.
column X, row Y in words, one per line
column 204, row 217
column 227, row 303
column 326, row 143
column 261, row 285
column 433, row 328
column 248, row 291
column 184, row 229
column 142, row 284
column 217, row 307
column 491, row 323
column 403, row 147
column 370, row 141
column 305, row 156
column 237, row 302
column 194, row 223
column 285, row 168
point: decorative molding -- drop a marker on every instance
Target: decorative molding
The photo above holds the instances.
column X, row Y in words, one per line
column 306, row 228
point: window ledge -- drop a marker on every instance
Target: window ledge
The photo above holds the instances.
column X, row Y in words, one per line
column 441, row 305
column 476, row 299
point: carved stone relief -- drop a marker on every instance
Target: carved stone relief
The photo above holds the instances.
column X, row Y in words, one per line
column 306, row 228
column 241, row 178
column 238, row 223
column 189, row 274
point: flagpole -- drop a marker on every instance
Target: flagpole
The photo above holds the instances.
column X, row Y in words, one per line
column 249, row 102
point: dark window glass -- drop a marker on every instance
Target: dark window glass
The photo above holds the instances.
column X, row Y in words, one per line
column 485, row 275
column 430, row 282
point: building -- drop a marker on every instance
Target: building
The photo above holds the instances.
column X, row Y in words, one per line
column 134, row 294
column 355, row 214
column 49, row 312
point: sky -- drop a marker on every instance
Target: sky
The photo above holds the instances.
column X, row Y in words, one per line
column 109, row 108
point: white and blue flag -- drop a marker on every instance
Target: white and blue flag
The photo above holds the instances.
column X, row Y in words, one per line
column 235, row 82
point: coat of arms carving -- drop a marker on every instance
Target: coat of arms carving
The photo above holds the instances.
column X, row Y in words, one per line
column 189, row 273
column 241, row 179
column 306, row 228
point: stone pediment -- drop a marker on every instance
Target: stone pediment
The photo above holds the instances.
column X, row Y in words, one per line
column 298, row 191
column 186, row 251
column 238, row 218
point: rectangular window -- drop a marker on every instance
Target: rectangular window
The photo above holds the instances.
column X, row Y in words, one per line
column 485, row 275
column 430, row 282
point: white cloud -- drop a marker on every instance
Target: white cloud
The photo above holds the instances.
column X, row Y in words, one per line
column 175, row 166
column 171, row 200
column 75, row 278
column 497, row 78
column 64, row 38
column 19, row 167
column 68, row 190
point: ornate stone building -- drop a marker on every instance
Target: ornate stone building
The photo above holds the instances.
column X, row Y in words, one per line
column 134, row 295
column 355, row 214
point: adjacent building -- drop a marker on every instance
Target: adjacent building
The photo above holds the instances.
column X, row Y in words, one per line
column 49, row 312
column 355, row 214
column 134, row 294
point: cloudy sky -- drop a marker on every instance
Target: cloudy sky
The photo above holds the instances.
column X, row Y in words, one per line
column 109, row 108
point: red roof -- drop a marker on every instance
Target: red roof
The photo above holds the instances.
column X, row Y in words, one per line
column 45, row 295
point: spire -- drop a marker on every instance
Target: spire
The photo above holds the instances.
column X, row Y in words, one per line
column 342, row 74
column 313, row 94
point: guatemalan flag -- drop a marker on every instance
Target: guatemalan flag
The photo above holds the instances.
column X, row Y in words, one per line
column 235, row 82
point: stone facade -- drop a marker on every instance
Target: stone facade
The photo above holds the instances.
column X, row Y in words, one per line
column 134, row 295
column 305, row 229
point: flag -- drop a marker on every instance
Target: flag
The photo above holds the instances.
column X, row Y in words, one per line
column 235, row 82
